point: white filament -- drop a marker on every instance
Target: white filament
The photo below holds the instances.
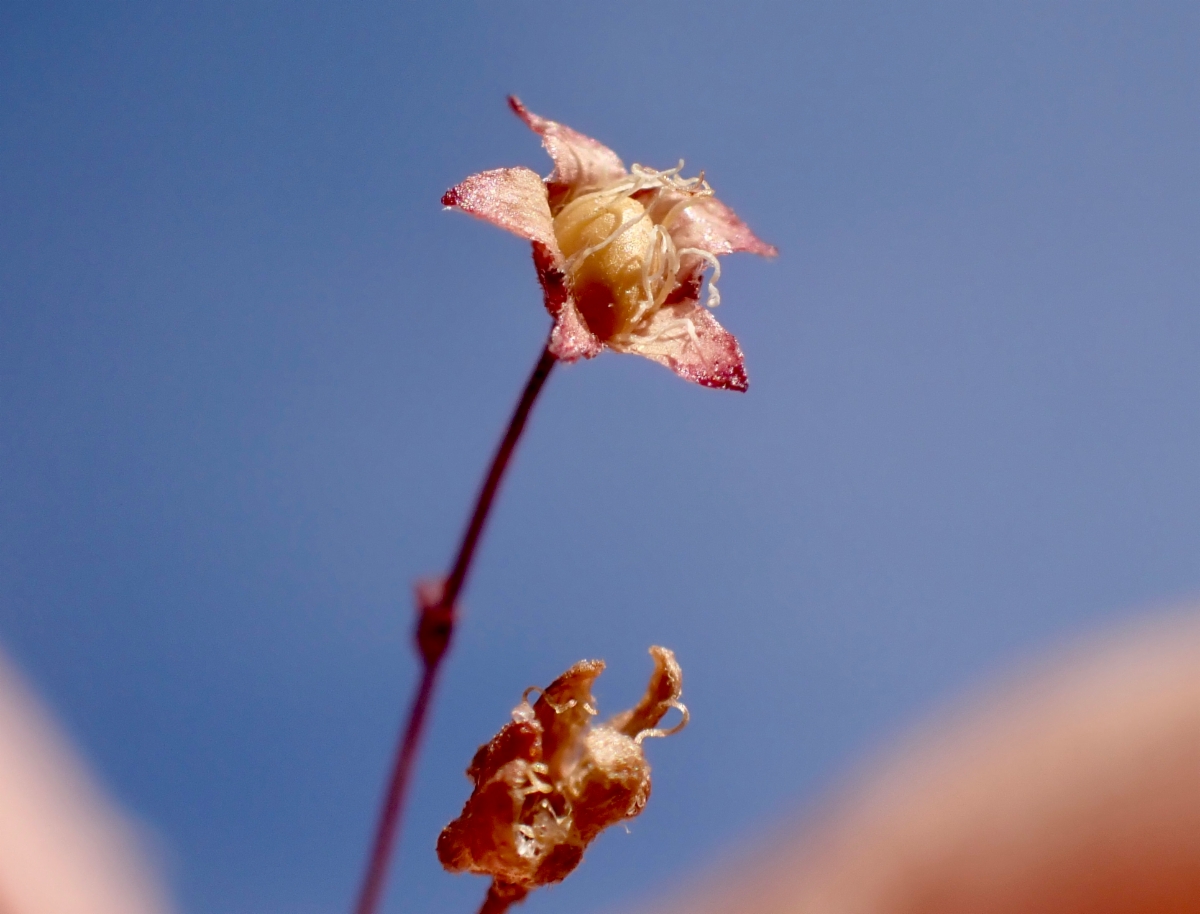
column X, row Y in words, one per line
column 661, row 265
column 654, row 733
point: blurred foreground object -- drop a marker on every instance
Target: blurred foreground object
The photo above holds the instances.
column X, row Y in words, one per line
column 63, row 848
column 1075, row 789
column 549, row 782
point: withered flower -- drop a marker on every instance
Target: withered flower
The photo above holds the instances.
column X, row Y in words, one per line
column 620, row 253
column 549, row 782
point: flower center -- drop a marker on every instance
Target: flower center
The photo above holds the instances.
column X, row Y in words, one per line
column 620, row 258
column 608, row 243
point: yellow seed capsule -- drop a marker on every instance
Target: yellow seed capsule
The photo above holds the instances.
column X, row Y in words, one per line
column 607, row 283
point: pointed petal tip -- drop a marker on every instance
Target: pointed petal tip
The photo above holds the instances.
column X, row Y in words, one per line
column 519, row 109
column 579, row 160
column 687, row 339
column 734, row 380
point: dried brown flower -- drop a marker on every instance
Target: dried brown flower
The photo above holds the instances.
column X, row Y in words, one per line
column 549, row 782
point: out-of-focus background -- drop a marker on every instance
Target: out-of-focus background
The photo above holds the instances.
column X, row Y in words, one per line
column 250, row 375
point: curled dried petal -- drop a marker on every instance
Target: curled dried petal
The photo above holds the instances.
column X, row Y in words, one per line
column 518, row 740
column 662, row 694
column 565, row 710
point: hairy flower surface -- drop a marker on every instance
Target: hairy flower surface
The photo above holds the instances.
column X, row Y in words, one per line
column 549, row 782
column 620, row 254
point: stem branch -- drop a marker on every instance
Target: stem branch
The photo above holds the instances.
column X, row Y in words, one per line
column 436, row 615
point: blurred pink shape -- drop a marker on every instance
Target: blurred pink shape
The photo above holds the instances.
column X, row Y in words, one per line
column 1073, row 788
column 63, row 848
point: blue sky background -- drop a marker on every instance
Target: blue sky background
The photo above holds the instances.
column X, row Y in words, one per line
column 250, row 375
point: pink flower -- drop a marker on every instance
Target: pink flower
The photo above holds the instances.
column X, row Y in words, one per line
column 620, row 253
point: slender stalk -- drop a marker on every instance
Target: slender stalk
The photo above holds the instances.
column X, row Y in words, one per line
column 500, row 897
column 436, row 615
column 487, row 494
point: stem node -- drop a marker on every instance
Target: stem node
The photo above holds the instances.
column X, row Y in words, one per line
column 437, row 611
column 435, row 622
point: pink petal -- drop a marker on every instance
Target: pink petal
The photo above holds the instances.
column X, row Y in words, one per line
column 580, row 163
column 570, row 340
column 512, row 198
column 687, row 339
column 710, row 225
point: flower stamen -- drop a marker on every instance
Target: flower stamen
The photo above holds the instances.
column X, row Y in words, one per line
column 619, row 292
column 714, row 294
column 657, row 732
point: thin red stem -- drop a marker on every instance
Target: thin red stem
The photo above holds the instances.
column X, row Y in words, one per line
column 393, row 802
column 435, row 628
column 487, row 494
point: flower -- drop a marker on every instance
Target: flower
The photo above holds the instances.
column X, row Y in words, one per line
column 620, row 254
column 548, row 783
